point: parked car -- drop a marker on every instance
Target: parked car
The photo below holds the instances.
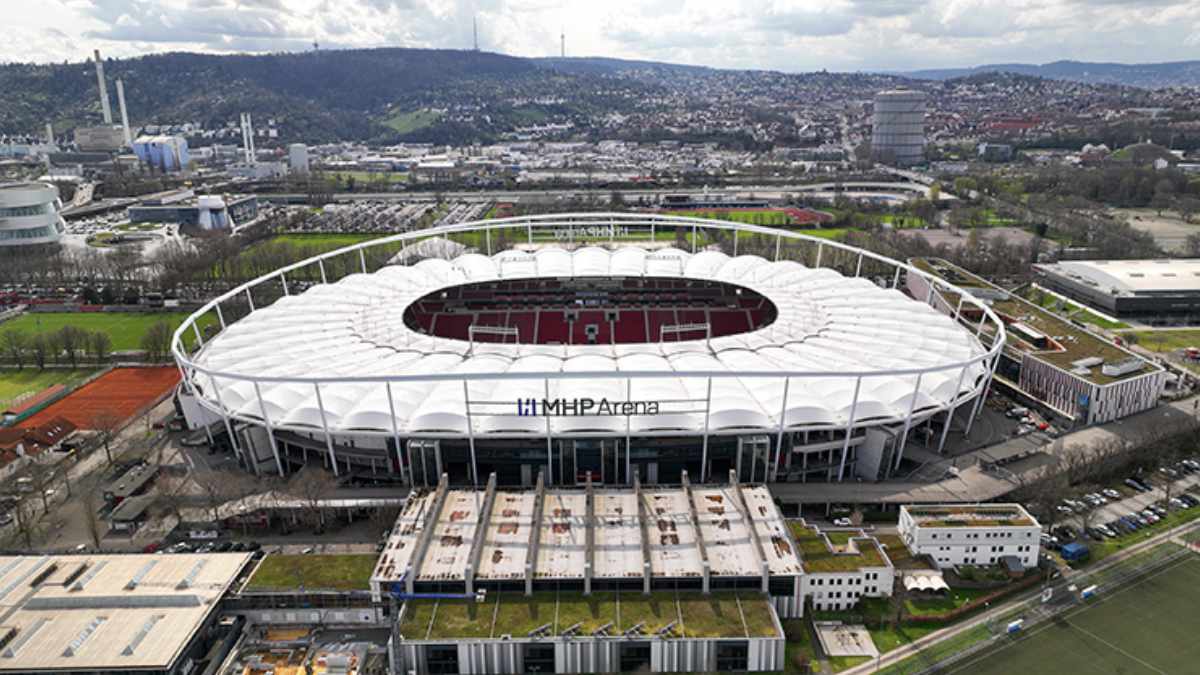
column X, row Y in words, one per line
column 842, row 522
column 1111, row 493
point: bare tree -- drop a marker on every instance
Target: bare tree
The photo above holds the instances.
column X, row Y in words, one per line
column 106, row 423
column 15, row 343
column 72, row 340
column 215, row 489
column 312, row 485
column 156, row 342
column 101, row 345
column 39, row 344
column 27, row 522
column 90, row 501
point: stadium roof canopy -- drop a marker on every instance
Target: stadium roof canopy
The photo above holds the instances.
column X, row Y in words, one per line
column 828, row 325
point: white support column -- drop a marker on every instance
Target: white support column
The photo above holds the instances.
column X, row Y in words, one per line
column 820, row 252
column 958, row 308
column 858, row 268
column 704, row 447
column 693, row 238
column 325, row 428
column 470, row 435
column 953, row 406
column 549, row 439
column 250, row 299
column 896, row 278
column 321, row 266
column 199, row 339
column 736, row 233
column 529, row 231
column 983, row 392
column 270, row 429
column 912, row 406
column 362, row 260
column 396, row 434
column 849, row 427
column 237, row 449
column 929, row 293
column 283, row 280
column 487, row 235
column 787, row 381
column 220, row 316
column 778, row 244
column 628, row 425
column 652, row 238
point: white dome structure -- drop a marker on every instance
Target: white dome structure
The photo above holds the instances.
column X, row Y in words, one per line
column 454, row 352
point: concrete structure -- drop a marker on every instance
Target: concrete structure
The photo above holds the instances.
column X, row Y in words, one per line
column 112, row 613
column 817, row 375
column 128, row 134
column 898, row 127
column 838, row 575
column 105, row 105
column 167, row 154
column 1128, row 288
column 1076, row 374
column 29, row 214
column 100, row 139
column 962, row 534
column 298, row 158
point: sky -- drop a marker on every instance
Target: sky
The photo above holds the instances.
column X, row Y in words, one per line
column 791, row 35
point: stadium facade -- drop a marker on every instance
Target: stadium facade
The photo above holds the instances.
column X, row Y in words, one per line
column 591, row 348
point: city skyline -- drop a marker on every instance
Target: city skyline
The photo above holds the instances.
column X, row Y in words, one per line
column 849, row 35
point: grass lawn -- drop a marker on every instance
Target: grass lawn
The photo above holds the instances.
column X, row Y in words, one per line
column 887, row 639
column 14, row 383
column 1147, row 627
column 414, row 120
column 368, row 177
column 321, row 242
column 799, row 649
column 125, row 328
column 1069, row 309
column 1166, row 340
column 327, row 572
column 937, row 605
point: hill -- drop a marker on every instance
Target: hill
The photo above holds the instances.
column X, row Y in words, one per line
column 1143, row 75
column 313, row 96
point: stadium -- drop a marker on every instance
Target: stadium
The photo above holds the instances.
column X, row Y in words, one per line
column 606, row 346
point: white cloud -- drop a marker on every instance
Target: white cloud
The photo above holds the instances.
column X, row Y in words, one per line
column 793, row 35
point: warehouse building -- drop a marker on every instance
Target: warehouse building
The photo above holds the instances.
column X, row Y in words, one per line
column 983, row 534
column 1128, row 288
column 114, row 613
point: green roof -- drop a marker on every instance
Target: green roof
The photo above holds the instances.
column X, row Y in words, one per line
column 855, row 551
column 720, row 614
column 349, row 572
column 1070, row 342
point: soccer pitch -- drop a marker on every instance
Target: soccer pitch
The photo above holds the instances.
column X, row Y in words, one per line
column 1148, row 627
column 125, row 328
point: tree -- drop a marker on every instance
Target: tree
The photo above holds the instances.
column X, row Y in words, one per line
column 1192, row 245
column 101, row 346
column 106, row 423
column 14, row 343
column 72, row 339
column 156, row 342
column 40, row 346
column 311, row 485
column 91, row 513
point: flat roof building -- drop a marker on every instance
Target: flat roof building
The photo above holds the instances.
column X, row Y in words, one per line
column 111, row 613
column 984, row 534
column 1151, row 288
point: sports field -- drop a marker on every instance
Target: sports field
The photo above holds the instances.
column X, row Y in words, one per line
column 121, row 391
column 15, row 383
column 125, row 328
column 1148, row 627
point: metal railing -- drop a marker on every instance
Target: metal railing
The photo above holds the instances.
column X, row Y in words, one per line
column 576, row 229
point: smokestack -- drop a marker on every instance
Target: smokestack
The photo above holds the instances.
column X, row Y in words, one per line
column 245, row 140
column 562, row 38
column 250, row 134
column 124, row 113
column 475, row 30
column 49, row 134
column 104, row 104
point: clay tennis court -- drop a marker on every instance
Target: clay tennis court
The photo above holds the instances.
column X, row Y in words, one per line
column 123, row 391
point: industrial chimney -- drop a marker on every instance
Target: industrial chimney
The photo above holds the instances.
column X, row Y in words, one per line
column 103, row 90
column 124, row 113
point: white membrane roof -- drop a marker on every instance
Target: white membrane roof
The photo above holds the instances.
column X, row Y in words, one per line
column 826, row 323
